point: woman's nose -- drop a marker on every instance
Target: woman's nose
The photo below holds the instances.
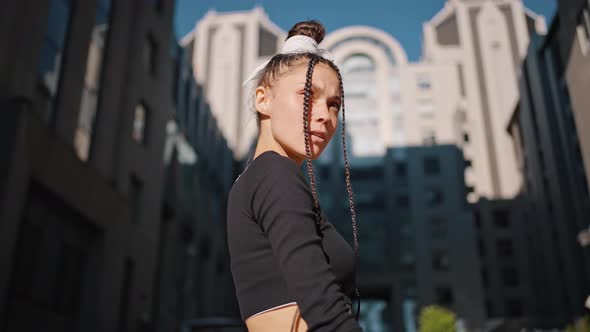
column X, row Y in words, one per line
column 322, row 112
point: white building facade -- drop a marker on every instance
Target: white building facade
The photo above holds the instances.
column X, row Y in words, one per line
column 227, row 47
column 485, row 41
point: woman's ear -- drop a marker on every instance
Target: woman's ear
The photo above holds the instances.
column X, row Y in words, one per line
column 262, row 100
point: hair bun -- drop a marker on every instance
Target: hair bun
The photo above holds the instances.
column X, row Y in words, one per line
column 311, row 28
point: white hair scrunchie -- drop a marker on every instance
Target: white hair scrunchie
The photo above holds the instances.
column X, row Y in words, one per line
column 293, row 45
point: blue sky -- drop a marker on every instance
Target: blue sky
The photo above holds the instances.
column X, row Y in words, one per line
column 402, row 19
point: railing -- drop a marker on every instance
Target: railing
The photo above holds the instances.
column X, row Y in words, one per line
column 213, row 324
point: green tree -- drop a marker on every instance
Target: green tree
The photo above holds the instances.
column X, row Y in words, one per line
column 437, row 319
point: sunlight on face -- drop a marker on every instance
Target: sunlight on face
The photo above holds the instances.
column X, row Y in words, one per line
column 286, row 105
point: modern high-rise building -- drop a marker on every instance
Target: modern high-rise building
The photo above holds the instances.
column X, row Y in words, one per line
column 548, row 135
column 574, row 52
column 485, row 41
column 461, row 92
column 416, row 233
column 226, row 48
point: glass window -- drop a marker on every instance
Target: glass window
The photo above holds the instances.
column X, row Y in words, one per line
column 440, row 260
column 403, row 201
column 485, row 279
column 514, row 308
column 444, row 295
column 139, row 123
column 92, row 78
column 53, row 48
column 425, row 108
column 401, row 169
column 434, row 196
column 510, row 277
column 438, row 227
column 431, row 166
column 126, row 294
column 150, row 54
column 135, row 189
column 501, row 218
column 423, row 81
column 428, row 137
column 505, row 248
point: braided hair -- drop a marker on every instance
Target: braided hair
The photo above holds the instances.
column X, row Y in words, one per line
column 274, row 68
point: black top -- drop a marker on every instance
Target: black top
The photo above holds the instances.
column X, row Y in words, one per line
column 280, row 255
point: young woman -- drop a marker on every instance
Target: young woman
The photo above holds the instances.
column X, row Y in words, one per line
column 291, row 268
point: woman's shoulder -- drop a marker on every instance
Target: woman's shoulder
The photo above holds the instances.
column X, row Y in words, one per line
column 270, row 165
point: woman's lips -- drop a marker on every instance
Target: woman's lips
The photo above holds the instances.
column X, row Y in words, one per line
column 320, row 135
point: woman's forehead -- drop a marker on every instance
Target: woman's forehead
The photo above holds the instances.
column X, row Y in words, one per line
column 323, row 78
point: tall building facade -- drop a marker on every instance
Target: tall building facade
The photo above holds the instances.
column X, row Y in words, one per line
column 85, row 98
column 548, row 147
column 505, row 265
column 574, row 50
column 416, row 233
column 389, row 101
column 194, row 279
column 485, row 41
column 226, row 48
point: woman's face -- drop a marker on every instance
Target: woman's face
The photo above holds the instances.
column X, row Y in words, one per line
column 284, row 109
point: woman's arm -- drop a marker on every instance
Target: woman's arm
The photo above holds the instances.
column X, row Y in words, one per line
column 283, row 205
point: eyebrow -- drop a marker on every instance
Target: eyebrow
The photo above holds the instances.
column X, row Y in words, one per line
column 317, row 88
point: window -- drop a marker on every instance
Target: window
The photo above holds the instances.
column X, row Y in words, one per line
column 434, row 196
column 513, row 308
column 489, row 308
column 461, row 79
column 504, row 248
column 400, row 169
column 481, row 247
column 139, row 123
column 150, row 54
column 438, row 227
column 431, row 166
column 53, row 49
column 126, row 291
column 92, row 80
column 425, row 108
column 27, row 258
column 510, row 277
column 501, row 218
column 485, row 279
column 440, row 260
column 444, row 295
column 428, row 137
column 423, row 81
column 465, row 137
column 71, row 264
column 403, row 201
column 135, row 189
column 477, row 219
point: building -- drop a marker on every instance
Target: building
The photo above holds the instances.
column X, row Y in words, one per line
column 574, row 47
column 485, row 41
column 416, row 233
column 547, row 145
column 389, row 101
column 226, row 48
column 505, row 264
column 194, row 279
column 85, row 98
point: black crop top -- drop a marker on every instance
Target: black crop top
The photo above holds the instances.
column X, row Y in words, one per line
column 278, row 255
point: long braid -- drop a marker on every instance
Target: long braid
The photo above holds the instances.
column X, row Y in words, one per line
column 349, row 186
column 307, row 91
